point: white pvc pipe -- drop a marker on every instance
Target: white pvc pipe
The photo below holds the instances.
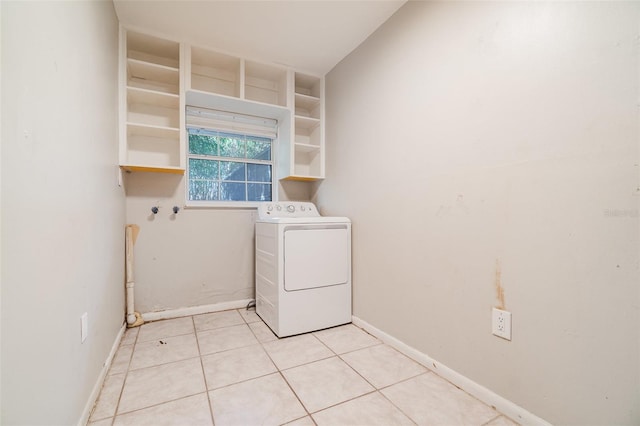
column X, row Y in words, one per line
column 134, row 319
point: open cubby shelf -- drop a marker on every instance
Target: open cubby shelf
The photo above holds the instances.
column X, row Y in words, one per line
column 159, row 76
column 151, row 117
column 145, row 75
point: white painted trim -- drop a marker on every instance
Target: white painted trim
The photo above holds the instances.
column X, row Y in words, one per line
column 195, row 310
column 485, row 395
column 93, row 397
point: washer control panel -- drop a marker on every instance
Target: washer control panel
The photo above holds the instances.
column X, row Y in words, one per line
column 287, row 209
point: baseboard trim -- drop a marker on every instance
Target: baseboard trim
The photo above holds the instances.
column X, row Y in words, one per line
column 485, row 395
column 93, row 397
column 195, row 310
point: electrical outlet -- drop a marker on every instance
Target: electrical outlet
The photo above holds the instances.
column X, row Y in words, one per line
column 501, row 323
column 84, row 327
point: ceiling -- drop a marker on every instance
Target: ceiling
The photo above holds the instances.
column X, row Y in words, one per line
column 307, row 35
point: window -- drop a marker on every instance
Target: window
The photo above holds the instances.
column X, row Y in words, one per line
column 230, row 157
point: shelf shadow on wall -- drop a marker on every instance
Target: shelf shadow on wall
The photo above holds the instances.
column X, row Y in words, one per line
column 152, row 185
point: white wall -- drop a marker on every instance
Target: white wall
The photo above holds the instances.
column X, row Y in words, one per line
column 62, row 210
column 198, row 257
column 480, row 146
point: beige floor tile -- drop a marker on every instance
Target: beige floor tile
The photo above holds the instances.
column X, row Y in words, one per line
column 262, row 332
column 192, row 411
column 217, row 320
column 103, row 422
column 502, row 421
column 305, row 421
column 222, row 339
column 164, row 383
column 155, row 385
column 249, row 316
column 130, row 336
column 109, row 397
column 429, row 399
column 296, row 350
column 167, row 349
column 382, row 365
column 166, row 328
column 346, row 338
column 371, row 409
column 121, row 360
column 263, row 401
column 236, row 365
column 325, row 383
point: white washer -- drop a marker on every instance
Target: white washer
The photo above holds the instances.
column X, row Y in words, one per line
column 303, row 268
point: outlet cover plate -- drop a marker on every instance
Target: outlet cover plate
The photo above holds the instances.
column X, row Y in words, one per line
column 501, row 323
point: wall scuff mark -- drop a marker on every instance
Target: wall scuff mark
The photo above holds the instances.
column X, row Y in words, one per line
column 499, row 288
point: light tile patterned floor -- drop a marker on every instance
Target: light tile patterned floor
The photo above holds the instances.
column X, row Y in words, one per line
column 228, row 368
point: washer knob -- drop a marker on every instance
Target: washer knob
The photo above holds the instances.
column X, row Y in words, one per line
column 291, row 208
column 278, row 207
column 270, row 207
column 302, row 208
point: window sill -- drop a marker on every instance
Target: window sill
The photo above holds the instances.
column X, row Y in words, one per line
column 239, row 205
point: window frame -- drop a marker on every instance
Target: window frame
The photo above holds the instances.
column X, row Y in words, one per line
column 229, row 203
column 282, row 147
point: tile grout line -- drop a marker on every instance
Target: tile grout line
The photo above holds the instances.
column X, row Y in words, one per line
column 166, row 363
column 163, row 364
column 245, row 380
column 165, row 337
column 356, row 371
column 304, row 407
column 204, row 376
column 336, row 355
column 126, row 373
column 491, row 420
column 95, row 405
column 278, row 371
column 161, row 403
column 393, row 404
column 375, row 389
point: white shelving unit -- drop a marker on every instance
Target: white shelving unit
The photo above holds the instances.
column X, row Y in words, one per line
column 151, row 107
column 308, row 146
column 159, row 77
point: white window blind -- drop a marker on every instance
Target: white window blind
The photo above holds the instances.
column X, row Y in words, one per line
column 211, row 119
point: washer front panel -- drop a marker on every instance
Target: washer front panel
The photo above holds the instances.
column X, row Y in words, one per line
column 315, row 257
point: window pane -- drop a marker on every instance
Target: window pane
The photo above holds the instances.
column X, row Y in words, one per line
column 232, row 170
column 229, row 172
column 259, row 172
column 233, row 191
column 203, row 144
column 258, row 192
column 203, row 169
column 231, row 146
column 201, row 190
column 259, row 148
